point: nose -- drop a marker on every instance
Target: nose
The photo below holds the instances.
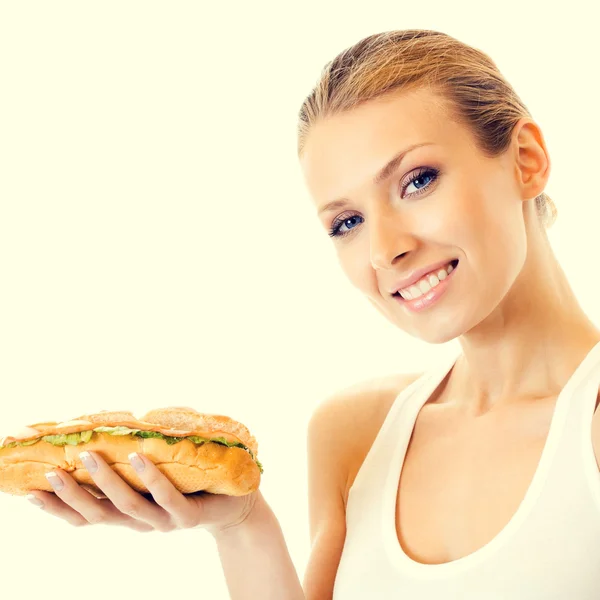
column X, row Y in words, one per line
column 389, row 240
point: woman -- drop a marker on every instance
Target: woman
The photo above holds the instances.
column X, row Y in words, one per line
column 478, row 478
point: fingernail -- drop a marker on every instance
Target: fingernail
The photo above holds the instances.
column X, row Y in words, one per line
column 35, row 501
column 88, row 462
column 136, row 462
column 55, row 481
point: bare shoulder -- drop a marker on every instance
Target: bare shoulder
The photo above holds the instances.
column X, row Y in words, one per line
column 340, row 433
column 348, row 421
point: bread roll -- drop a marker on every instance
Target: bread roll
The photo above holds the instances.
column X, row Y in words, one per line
column 225, row 463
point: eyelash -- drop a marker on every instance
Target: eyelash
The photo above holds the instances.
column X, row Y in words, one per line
column 422, row 172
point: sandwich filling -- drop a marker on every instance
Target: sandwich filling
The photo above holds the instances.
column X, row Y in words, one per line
column 81, row 437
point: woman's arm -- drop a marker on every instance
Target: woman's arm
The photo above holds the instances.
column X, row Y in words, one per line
column 255, row 558
column 254, row 555
column 340, row 434
column 328, row 454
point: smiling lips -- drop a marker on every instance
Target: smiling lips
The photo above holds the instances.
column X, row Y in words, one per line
column 424, row 280
column 426, row 283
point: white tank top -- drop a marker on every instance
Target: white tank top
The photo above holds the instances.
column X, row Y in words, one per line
column 550, row 548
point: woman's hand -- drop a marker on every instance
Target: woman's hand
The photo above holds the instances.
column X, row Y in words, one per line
column 168, row 509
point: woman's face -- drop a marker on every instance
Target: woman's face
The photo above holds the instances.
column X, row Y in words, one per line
column 443, row 201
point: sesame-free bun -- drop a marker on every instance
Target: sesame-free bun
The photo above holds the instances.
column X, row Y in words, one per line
column 209, row 467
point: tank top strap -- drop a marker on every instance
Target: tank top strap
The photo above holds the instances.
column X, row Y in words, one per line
column 419, row 391
column 391, row 434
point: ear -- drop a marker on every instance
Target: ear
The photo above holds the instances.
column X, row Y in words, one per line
column 532, row 159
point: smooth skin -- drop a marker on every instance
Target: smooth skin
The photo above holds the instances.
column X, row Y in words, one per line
column 255, row 558
column 167, row 510
column 521, row 329
column 478, row 440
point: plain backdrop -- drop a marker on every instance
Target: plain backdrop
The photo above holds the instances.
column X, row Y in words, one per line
column 158, row 246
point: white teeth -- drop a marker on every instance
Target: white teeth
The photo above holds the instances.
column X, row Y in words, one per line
column 424, row 286
column 427, row 283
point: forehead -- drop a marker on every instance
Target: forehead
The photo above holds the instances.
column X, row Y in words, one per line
column 343, row 152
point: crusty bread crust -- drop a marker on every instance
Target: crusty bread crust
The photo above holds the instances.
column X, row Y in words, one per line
column 209, row 467
column 188, row 418
column 191, row 468
column 174, row 421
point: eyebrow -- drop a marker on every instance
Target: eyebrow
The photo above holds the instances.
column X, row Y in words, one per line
column 382, row 175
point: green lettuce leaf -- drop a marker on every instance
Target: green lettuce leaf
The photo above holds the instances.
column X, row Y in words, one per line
column 62, row 439
column 73, row 439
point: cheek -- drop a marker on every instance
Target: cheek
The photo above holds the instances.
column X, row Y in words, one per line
column 495, row 244
column 357, row 267
column 473, row 224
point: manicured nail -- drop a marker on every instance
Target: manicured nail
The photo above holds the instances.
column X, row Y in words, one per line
column 136, row 462
column 35, row 501
column 88, row 462
column 55, row 481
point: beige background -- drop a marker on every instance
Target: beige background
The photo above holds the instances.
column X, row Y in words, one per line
column 158, row 247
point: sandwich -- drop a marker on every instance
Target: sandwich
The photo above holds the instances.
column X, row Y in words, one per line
column 195, row 451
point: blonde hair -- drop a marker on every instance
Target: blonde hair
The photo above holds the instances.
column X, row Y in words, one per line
column 386, row 62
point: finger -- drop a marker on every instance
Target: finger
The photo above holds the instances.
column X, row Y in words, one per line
column 71, row 494
column 183, row 511
column 125, row 499
column 53, row 505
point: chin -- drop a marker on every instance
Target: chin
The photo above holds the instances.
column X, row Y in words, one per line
column 435, row 333
column 432, row 331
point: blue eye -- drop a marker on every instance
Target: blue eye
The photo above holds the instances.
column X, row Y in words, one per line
column 337, row 224
column 420, row 175
column 424, row 176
